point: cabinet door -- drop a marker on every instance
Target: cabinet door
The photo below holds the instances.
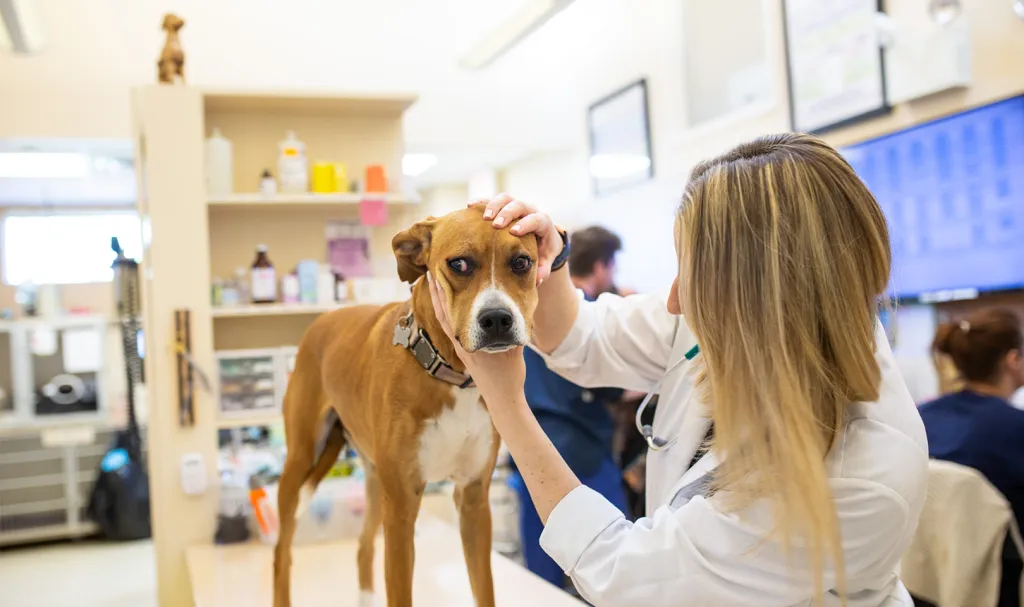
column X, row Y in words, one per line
column 34, row 498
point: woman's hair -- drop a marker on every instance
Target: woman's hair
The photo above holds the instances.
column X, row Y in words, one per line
column 783, row 257
column 978, row 344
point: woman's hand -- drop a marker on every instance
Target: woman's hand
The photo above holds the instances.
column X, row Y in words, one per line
column 505, row 210
column 500, row 376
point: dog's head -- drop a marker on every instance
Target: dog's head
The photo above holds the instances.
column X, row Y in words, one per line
column 172, row 22
column 488, row 275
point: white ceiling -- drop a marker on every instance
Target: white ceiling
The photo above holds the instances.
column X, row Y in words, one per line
column 532, row 99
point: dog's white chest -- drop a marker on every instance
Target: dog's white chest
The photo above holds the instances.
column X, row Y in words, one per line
column 456, row 445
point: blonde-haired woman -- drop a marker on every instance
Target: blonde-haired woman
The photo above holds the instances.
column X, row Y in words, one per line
column 813, row 481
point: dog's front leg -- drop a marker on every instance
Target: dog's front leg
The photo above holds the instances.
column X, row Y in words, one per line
column 475, row 527
column 401, row 506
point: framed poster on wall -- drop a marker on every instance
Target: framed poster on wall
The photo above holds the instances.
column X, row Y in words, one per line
column 835, row 63
column 620, row 139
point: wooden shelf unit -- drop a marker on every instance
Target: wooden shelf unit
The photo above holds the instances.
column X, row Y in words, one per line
column 194, row 237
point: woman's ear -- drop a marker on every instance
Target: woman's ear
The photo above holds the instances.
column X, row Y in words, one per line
column 412, row 249
column 673, row 299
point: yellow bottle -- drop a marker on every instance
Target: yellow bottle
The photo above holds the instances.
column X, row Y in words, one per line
column 341, row 183
column 323, row 178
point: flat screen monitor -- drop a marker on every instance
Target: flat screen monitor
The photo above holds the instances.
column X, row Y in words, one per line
column 952, row 191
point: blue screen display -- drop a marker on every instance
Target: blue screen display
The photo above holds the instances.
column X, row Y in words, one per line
column 952, row 191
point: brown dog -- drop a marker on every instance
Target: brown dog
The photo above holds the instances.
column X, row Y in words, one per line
column 172, row 57
column 387, row 380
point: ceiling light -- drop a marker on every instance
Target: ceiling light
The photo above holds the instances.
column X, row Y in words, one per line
column 43, row 165
column 414, row 165
column 617, row 166
column 501, row 39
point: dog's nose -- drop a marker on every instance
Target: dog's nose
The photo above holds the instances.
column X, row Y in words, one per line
column 496, row 323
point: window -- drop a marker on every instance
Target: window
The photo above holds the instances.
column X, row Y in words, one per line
column 66, row 248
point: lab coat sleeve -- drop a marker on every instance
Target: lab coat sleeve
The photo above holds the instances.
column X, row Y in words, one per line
column 696, row 555
column 621, row 342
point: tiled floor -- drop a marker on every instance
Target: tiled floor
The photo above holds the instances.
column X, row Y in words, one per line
column 84, row 574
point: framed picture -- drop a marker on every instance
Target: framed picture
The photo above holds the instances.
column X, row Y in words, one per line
column 620, row 139
column 835, row 63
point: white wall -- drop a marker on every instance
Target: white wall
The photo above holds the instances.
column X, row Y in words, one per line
column 559, row 183
column 443, row 199
column 554, row 181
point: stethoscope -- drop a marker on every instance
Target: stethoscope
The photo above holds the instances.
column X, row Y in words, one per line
column 656, row 443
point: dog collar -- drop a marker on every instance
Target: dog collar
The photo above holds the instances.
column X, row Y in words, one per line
column 413, row 338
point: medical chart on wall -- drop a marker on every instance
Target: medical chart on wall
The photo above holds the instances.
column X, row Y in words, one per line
column 836, row 72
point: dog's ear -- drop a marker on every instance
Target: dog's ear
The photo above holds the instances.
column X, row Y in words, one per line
column 412, row 249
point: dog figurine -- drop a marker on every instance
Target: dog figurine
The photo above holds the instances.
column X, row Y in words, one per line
column 172, row 57
column 386, row 381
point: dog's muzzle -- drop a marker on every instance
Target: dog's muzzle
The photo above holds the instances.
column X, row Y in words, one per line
column 498, row 325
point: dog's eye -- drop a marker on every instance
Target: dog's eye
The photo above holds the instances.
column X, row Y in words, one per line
column 460, row 266
column 521, row 264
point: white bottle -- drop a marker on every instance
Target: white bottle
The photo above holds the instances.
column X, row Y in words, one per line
column 220, row 179
column 268, row 185
column 292, row 165
column 290, row 291
column 326, row 292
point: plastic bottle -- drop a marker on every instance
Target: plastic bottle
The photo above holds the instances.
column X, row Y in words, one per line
column 220, row 178
column 242, row 286
column 308, row 271
column 326, row 290
column 290, row 290
column 292, row 165
column 264, row 279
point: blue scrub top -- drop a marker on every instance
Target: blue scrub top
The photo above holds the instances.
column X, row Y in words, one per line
column 983, row 432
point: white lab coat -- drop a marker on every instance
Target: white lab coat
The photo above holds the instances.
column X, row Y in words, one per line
column 687, row 551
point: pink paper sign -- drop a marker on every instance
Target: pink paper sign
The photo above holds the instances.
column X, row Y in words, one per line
column 373, row 211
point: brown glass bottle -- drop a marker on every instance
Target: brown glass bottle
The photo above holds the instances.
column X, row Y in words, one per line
column 264, row 278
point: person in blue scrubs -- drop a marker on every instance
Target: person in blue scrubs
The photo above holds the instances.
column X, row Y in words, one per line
column 577, row 420
column 977, row 426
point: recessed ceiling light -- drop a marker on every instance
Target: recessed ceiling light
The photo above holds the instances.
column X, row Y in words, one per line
column 414, row 165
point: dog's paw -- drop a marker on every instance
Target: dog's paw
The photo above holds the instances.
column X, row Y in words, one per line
column 366, row 599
